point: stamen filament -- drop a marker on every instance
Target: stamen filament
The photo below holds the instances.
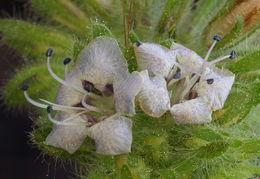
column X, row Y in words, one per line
column 190, row 84
column 89, row 107
column 65, row 123
column 30, row 100
column 66, row 63
column 66, row 71
column 62, row 106
column 74, row 116
column 218, row 60
column 65, row 83
column 40, row 105
column 209, row 51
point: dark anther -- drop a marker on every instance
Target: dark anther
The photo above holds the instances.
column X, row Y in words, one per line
column 138, row 43
column 177, row 75
column 66, row 61
column 88, row 88
column 233, row 54
column 49, row 52
column 49, row 109
column 217, row 38
column 25, row 87
column 210, row 81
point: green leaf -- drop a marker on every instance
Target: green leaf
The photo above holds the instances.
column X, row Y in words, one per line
column 233, row 34
column 194, row 20
column 206, row 134
column 101, row 30
column 37, row 77
column 133, row 37
column 64, row 12
column 167, row 43
column 34, row 40
column 212, row 150
column 125, row 172
column 246, row 64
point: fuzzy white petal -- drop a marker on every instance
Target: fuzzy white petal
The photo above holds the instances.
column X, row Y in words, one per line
column 125, row 90
column 155, row 58
column 187, row 58
column 217, row 92
column 68, row 138
column 195, row 111
column 154, row 97
column 113, row 136
column 101, row 61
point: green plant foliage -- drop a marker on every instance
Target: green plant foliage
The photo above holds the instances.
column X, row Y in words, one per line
column 33, row 40
column 228, row 147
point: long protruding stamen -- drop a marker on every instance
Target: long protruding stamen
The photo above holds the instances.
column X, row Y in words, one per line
column 89, row 107
column 50, row 109
column 66, row 63
column 231, row 56
column 30, row 100
column 48, row 54
column 62, row 106
column 40, row 105
column 216, row 39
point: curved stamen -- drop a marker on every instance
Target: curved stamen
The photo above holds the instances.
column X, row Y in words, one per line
column 30, row 100
column 65, row 83
column 89, row 107
column 40, row 105
column 49, row 110
column 62, row 106
column 66, row 63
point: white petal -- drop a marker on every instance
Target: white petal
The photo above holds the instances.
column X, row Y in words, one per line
column 68, row 96
column 125, row 90
column 113, row 135
column 155, row 58
column 100, row 61
column 216, row 93
column 154, row 97
column 68, row 138
column 187, row 58
column 194, row 111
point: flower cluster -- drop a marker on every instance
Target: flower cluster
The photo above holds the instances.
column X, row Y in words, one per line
column 98, row 94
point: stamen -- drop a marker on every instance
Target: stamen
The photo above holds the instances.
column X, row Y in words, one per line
column 210, row 81
column 138, row 43
column 89, row 107
column 190, row 83
column 177, row 75
column 216, row 39
column 66, row 63
column 40, row 105
column 231, row 56
column 62, row 106
column 48, row 54
column 50, row 109
column 30, row 100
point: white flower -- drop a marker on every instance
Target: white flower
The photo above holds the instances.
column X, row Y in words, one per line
column 204, row 87
column 92, row 98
